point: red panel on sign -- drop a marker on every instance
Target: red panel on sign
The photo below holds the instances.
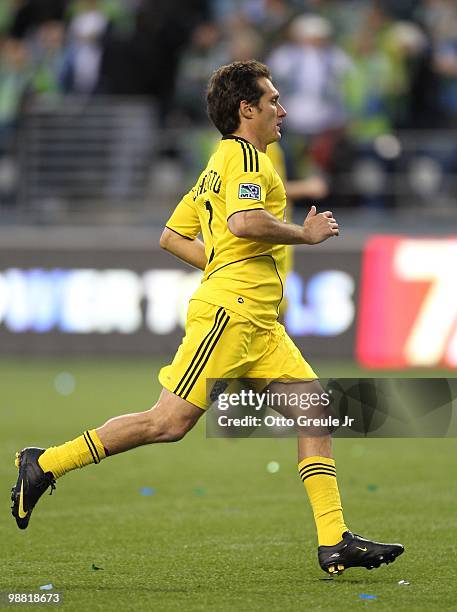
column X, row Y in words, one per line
column 388, row 306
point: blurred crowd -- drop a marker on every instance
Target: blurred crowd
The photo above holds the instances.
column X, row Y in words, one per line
column 350, row 72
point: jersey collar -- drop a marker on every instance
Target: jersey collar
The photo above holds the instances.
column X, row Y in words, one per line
column 232, row 137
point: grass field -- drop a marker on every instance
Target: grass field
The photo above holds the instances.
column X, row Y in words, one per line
column 218, row 532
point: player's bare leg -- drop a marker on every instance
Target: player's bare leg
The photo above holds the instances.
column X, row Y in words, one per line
column 168, row 421
column 314, row 446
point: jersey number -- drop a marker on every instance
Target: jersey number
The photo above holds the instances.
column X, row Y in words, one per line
column 209, row 208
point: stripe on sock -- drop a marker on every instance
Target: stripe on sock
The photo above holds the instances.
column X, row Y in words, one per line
column 94, row 456
column 318, row 473
column 317, row 466
column 93, row 445
column 311, row 465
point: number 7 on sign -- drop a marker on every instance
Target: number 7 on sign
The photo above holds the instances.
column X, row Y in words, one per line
column 433, row 334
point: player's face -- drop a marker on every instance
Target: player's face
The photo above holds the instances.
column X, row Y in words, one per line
column 270, row 113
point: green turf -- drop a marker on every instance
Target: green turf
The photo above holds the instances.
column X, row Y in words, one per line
column 220, row 532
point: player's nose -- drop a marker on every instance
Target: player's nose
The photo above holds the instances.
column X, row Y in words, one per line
column 281, row 111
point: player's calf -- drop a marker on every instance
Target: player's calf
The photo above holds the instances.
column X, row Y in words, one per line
column 170, row 428
column 166, row 422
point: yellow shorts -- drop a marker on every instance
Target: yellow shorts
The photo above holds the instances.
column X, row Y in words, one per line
column 220, row 343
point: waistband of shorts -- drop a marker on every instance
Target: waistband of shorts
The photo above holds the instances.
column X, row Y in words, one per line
column 229, row 307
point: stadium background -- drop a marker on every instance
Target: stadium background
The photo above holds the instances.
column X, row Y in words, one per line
column 102, row 129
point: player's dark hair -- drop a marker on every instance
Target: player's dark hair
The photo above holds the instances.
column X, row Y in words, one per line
column 228, row 86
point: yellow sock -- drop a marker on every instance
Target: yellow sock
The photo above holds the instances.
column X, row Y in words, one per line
column 81, row 451
column 319, row 477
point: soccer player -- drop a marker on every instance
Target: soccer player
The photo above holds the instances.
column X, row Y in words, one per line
column 238, row 206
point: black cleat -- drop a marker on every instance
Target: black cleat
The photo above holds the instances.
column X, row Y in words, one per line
column 355, row 551
column 32, row 482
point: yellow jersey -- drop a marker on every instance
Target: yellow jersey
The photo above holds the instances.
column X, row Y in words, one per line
column 276, row 155
column 242, row 275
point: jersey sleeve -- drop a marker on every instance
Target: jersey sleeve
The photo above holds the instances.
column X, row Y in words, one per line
column 184, row 220
column 247, row 180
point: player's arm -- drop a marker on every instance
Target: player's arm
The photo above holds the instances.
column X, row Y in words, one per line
column 180, row 234
column 248, row 183
column 186, row 249
column 261, row 226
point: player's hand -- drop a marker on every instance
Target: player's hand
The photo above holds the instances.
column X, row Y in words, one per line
column 317, row 227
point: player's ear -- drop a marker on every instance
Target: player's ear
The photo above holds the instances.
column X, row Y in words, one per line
column 246, row 109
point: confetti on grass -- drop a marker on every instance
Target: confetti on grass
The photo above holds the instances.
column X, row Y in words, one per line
column 366, row 596
column 46, row 587
column 96, row 568
column 147, row 491
column 403, row 582
column 200, row 491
